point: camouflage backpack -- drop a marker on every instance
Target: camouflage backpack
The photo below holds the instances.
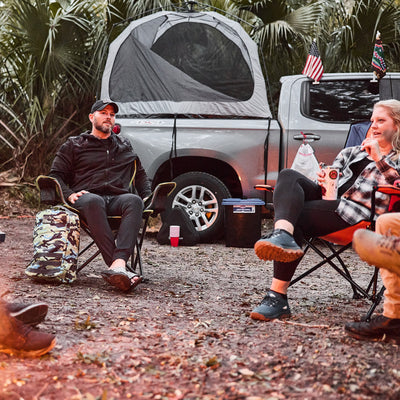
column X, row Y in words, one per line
column 55, row 246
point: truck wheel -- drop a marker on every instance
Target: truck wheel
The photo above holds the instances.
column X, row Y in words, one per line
column 200, row 195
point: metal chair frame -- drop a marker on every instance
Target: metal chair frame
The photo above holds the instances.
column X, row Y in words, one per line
column 343, row 238
column 51, row 193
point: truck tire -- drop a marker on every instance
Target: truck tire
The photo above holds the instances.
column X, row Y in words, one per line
column 200, row 195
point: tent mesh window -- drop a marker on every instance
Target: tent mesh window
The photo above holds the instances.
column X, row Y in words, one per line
column 188, row 62
column 207, row 56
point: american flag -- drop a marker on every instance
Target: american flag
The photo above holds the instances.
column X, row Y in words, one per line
column 378, row 63
column 313, row 68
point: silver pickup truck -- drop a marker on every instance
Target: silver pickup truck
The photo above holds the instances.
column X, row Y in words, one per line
column 194, row 105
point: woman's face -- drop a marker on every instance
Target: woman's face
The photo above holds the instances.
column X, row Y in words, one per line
column 383, row 127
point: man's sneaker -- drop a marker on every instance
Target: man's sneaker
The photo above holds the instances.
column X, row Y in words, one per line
column 30, row 314
column 381, row 251
column 273, row 305
column 278, row 246
column 24, row 341
column 379, row 328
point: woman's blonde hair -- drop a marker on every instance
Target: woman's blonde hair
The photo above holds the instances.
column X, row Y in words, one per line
column 392, row 107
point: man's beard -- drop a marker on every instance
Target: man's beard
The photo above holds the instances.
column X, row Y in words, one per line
column 102, row 128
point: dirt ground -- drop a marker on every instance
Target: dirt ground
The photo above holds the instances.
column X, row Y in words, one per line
column 186, row 333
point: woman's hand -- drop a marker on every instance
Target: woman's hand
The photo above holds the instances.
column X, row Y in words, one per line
column 371, row 146
column 321, row 177
column 75, row 196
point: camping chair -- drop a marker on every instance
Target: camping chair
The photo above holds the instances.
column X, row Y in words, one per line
column 357, row 133
column 51, row 194
column 338, row 242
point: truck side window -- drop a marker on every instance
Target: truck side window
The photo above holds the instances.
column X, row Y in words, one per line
column 340, row 101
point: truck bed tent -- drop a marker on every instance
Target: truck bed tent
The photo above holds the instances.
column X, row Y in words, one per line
column 185, row 63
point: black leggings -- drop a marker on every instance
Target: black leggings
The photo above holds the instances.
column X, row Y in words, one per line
column 297, row 199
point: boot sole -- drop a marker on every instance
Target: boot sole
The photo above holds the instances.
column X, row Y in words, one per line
column 381, row 338
column 29, row 353
column 268, row 251
column 262, row 317
column 118, row 280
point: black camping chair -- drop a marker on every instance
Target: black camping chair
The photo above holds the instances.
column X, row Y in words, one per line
column 331, row 247
column 357, row 133
column 51, row 194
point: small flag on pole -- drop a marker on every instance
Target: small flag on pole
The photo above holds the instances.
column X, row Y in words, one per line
column 313, row 68
column 378, row 63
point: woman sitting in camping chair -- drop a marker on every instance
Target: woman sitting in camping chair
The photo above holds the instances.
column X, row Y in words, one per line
column 300, row 211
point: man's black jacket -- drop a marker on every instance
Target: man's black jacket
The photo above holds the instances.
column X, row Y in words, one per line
column 101, row 166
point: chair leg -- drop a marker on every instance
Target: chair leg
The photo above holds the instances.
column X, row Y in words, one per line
column 89, row 259
column 358, row 291
column 136, row 256
column 375, row 303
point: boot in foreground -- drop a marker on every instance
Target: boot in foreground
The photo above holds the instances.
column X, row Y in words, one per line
column 19, row 339
column 381, row 251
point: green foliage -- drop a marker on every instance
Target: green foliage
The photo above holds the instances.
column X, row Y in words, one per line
column 54, row 52
column 352, row 42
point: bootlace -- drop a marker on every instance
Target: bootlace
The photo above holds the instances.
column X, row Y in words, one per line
column 390, row 242
column 270, row 300
column 274, row 233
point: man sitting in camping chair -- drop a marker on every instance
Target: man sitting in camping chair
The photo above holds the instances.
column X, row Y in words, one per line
column 96, row 171
column 301, row 212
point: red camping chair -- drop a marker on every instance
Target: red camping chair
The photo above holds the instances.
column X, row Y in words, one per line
column 338, row 242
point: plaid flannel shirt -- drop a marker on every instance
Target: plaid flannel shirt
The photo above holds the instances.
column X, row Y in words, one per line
column 355, row 203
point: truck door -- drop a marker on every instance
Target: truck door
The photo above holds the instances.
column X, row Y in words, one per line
column 324, row 111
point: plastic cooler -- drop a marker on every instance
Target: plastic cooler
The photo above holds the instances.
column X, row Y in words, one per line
column 242, row 221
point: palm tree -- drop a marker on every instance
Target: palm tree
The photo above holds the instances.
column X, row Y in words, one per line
column 352, row 42
column 52, row 55
column 284, row 30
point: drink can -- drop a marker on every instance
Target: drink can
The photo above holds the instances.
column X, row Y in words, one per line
column 331, row 183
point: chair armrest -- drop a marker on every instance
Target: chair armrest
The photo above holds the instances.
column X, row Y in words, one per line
column 267, row 188
column 388, row 189
column 156, row 201
column 391, row 190
column 50, row 190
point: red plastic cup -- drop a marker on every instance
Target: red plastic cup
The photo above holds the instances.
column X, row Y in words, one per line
column 174, row 241
column 174, row 232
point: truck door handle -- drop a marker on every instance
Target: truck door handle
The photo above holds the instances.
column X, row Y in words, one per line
column 309, row 137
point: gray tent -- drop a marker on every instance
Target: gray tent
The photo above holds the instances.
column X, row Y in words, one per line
column 190, row 63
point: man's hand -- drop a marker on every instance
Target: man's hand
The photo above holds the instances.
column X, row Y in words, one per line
column 75, row 196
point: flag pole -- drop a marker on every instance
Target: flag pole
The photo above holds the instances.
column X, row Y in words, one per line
column 315, row 81
column 374, row 76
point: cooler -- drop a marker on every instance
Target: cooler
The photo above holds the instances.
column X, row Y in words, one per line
column 242, row 221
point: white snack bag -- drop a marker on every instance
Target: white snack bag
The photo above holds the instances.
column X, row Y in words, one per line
column 305, row 162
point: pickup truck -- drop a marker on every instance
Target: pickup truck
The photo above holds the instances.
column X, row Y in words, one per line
column 213, row 154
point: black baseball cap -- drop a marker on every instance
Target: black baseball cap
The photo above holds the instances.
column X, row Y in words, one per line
column 101, row 104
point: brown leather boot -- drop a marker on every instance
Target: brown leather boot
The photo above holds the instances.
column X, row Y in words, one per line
column 381, row 251
column 22, row 340
column 379, row 328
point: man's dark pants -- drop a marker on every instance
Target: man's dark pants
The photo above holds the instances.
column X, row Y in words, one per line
column 95, row 209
